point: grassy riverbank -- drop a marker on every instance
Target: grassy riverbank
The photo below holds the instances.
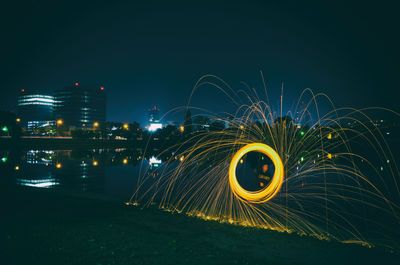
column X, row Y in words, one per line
column 46, row 227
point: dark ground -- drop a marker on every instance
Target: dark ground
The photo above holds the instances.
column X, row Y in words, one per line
column 46, row 227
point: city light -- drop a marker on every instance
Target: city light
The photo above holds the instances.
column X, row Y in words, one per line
column 76, row 84
column 154, row 161
column 39, row 98
column 125, row 161
column 126, row 126
column 38, row 183
column 181, row 128
column 60, row 122
column 4, row 129
column 101, row 88
column 95, row 163
column 16, row 167
column 35, row 103
column 302, row 133
column 4, row 159
column 96, row 124
column 58, row 165
column 154, row 127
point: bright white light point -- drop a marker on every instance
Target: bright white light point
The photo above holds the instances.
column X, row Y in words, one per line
column 154, row 160
column 155, row 126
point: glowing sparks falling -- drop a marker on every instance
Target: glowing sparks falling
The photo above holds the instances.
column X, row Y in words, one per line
column 321, row 186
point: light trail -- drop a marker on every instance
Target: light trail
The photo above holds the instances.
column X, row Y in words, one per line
column 267, row 192
column 332, row 177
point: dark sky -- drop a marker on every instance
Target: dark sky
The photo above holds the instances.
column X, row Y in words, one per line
column 152, row 53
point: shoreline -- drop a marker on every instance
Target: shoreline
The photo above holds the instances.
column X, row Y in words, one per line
column 47, row 143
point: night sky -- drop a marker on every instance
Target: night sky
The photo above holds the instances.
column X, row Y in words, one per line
column 152, row 53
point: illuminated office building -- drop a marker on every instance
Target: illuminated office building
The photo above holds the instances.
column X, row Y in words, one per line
column 35, row 110
column 154, row 119
column 80, row 107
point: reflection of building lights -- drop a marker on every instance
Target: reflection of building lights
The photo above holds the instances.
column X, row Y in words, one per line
column 39, row 157
column 58, row 165
column 154, row 127
column 38, row 183
column 95, row 163
column 125, row 161
column 154, row 161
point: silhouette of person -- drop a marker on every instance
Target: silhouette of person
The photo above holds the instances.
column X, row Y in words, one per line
column 264, row 177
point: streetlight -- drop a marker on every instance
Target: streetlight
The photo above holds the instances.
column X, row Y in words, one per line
column 59, row 128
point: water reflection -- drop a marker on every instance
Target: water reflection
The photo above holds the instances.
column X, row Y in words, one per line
column 108, row 171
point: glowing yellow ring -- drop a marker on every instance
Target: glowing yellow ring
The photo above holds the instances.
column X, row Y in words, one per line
column 270, row 190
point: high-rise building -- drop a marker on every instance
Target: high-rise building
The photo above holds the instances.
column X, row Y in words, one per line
column 80, row 107
column 35, row 110
column 154, row 114
column 154, row 119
